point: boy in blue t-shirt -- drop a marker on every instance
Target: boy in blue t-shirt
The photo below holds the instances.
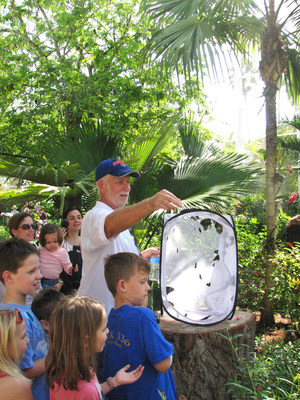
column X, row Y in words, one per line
column 19, row 271
column 134, row 335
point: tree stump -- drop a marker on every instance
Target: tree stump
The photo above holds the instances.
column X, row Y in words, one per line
column 203, row 356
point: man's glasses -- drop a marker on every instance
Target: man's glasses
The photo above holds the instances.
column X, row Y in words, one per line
column 26, row 227
column 19, row 317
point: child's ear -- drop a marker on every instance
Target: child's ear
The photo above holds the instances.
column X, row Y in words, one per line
column 45, row 325
column 121, row 286
column 7, row 277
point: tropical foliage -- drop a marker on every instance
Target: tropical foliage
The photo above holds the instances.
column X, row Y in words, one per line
column 63, row 62
column 273, row 373
column 200, row 33
column 209, row 180
column 285, row 292
column 194, row 32
column 75, row 90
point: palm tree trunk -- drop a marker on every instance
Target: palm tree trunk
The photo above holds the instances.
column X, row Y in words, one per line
column 267, row 315
column 270, row 70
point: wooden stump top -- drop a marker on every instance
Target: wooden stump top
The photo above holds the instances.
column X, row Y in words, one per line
column 238, row 321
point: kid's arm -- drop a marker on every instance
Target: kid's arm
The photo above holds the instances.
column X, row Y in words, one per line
column 66, row 262
column 122, row 378
column 164, row 365
column 37, row 370
column 70, row 271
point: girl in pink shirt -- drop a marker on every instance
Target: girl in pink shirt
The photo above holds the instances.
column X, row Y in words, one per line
column 53, row 258
column 77, row 332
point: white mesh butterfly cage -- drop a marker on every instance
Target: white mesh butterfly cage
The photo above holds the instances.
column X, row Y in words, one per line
column 198, row 267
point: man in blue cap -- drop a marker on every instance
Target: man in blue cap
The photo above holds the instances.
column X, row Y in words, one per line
column 105, row 227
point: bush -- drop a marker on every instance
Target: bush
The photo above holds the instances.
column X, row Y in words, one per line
column 4, row 234
column 286, row 292
column 272, row 374
column 252, row 206
column 251, row 262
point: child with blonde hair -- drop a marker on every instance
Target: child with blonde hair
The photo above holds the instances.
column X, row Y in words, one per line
column 13, row 344
column 77, row 332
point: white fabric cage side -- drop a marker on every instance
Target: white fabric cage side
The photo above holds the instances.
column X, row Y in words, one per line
column 198, row 276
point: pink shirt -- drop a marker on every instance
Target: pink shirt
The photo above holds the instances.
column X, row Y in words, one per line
column 53, row 262
column 85, row 391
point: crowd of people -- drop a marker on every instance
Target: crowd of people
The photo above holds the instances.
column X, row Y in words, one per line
column 36, row 210
column 85, row 285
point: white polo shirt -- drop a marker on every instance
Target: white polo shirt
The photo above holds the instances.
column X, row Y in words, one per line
column 94, row 248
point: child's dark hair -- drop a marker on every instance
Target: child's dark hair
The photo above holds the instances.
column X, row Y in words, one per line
column 48, row 229
column 123, row 266
column 72, row 341
column 12, row 254
column 44, row 303
column 15, row 221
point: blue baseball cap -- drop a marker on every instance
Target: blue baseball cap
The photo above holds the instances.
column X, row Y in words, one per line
column 114, row 167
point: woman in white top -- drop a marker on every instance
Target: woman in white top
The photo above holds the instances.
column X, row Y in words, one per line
column 70, row 227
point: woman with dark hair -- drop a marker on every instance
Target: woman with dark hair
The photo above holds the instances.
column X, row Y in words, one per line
column 70, row 227
column 21, row 226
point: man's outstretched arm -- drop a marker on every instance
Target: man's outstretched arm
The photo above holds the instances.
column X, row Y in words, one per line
column 125, row 217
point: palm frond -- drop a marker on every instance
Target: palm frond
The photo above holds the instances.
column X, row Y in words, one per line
column 48, row 181
column 142, row 151
column 210, row 181
column 166, row 10
column 195, row 32
column 292, row 74
column 153, row 178
column 192, row 137
column 213, row 180
column 32, row 191
column 86, row 147
column 291, row 143
column 295, row 122
column 64, row 175
column 163, row 10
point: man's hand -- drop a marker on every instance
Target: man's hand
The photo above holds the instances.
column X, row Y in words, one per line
column 165, row 200
column 152, row 251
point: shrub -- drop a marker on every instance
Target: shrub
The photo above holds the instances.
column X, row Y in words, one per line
column 252, row 206
column 251, row 262
column 272, row 374
column 286, row 291
column 4, row 234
